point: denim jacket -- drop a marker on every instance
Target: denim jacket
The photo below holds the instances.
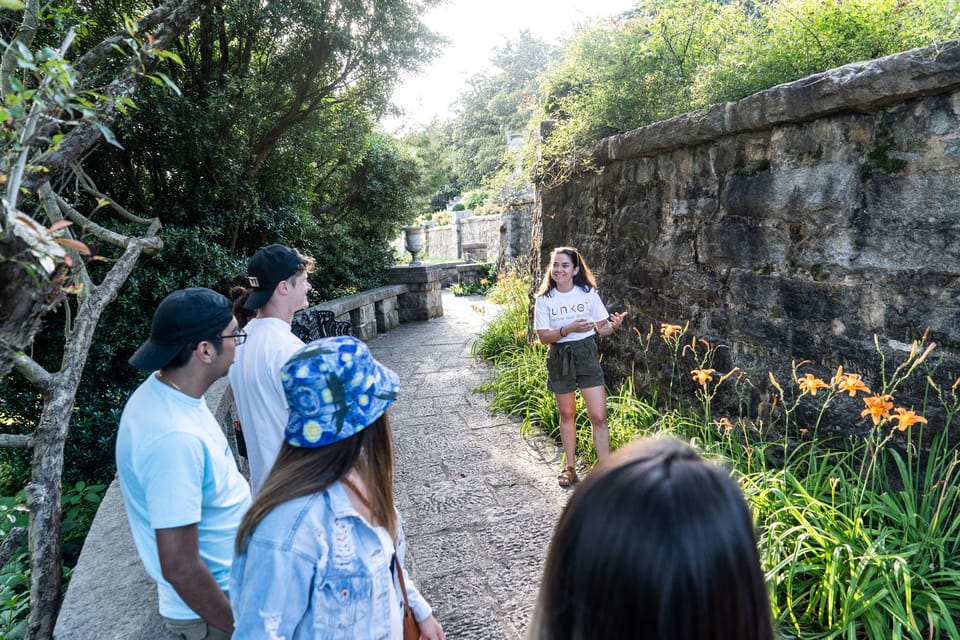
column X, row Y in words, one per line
column 314, row 568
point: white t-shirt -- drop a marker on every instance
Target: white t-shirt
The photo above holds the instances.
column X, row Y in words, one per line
column 556, row 309
column 261, row 403
column 176, row 469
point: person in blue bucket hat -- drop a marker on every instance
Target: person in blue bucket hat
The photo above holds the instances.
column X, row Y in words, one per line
column 320, row 553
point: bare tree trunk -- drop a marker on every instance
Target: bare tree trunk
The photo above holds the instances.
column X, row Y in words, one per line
column 26, row 295
column 28, row 291
column 44, row 490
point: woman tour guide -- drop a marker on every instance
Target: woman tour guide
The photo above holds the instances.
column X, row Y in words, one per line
column 568, row 312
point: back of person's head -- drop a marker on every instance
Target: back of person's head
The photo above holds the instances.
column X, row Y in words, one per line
column 338, row 395
column 243, row 315
column 659, row 544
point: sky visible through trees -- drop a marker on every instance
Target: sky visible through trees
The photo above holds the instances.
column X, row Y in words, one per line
column 474, row 29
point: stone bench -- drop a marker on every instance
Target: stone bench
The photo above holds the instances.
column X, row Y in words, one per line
column 369, row 312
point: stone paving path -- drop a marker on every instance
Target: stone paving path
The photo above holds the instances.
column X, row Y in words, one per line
column 478, row 501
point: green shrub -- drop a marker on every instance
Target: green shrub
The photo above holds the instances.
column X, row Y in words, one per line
column 473, row 199
column 14, row 597
column 483, row 284
column 79, row 505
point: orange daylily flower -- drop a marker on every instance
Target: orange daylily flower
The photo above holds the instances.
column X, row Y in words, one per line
column 724, row 423
column 811, row 383
column 906, row 418
column 703, row 376
column 878, row 407
column 669, row 331
column 849, row 382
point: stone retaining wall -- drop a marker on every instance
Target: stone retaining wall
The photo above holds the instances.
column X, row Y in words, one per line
column 794, row 224
column 505, row 236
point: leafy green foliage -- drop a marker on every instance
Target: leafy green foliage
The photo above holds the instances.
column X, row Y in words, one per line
column 495, row 106
column 432, row 150
column 14, row 597
column 79, row 504
column 481, row 286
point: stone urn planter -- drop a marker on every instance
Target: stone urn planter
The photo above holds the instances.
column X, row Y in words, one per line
column 413, row 238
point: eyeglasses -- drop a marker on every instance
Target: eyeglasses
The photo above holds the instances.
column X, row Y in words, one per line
column 238, row 338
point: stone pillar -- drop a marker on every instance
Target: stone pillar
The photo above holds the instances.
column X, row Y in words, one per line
column 388, row 317
column 422, row 300
column 364, row 322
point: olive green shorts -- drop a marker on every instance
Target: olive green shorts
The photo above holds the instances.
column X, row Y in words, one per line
column 573, row 364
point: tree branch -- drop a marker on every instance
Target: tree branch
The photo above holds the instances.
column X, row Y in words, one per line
column 32, row 371
column 48, row 200
column 12, row 441
column 150, row 244
column 11, row 543
column 174, row 10
column 86, row 182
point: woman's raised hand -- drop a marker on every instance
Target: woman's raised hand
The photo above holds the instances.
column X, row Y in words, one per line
column 611, row 323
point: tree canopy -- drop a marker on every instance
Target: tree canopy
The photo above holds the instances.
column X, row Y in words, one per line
column 470, row 150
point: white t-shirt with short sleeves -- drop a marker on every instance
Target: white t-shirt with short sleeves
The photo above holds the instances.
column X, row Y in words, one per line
column 258, row 392
column 556, row 309
column 176, row 469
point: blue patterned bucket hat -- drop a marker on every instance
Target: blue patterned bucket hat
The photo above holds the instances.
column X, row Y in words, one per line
column 335, row 389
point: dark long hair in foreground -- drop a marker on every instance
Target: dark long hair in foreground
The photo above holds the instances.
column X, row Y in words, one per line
column 656, row 544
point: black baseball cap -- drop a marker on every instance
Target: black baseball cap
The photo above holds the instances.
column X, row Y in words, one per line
column 184, row 317
column 268, row 268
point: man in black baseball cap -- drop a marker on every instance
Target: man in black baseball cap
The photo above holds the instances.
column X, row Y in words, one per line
column 183, row 493
column 268, row 268
column 183, row 318
column 277, row 276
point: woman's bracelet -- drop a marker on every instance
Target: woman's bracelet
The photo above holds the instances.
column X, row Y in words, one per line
column 561, row 332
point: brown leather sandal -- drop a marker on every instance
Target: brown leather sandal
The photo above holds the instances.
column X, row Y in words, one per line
column 567, row 477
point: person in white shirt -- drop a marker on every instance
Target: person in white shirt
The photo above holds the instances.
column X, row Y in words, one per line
column 567, row 313
column 182, row 491
column 278, row 289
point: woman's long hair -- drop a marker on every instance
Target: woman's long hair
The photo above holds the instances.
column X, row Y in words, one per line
column 243, row 315
column 583, row 279
column 302, row 471
column 655, row 543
